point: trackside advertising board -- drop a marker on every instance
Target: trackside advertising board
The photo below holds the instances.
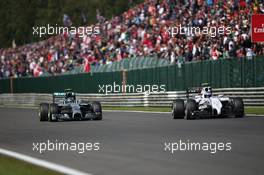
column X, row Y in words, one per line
column 257, row 24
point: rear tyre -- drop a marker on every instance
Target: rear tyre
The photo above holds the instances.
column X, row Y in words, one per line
column 191, row 106
column 53, row 109
column 238, row 107
column 43, row 111
column 178, row 109
column 97, row 109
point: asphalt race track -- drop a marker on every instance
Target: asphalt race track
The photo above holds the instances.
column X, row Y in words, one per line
column 133, row 143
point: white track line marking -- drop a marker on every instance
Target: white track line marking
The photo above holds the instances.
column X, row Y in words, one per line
column 42, row 163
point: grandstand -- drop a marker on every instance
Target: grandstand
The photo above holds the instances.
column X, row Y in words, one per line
column 140, row 32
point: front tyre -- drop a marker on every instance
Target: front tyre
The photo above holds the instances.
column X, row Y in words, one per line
column 43, row 111
column 238, row 107
column 191, row 107
column 53, row 109
column 97, row 109
column 178, row 109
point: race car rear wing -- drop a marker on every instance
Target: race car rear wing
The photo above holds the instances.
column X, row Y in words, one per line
column 58, row 95
column 63, row 95
column 192, row 91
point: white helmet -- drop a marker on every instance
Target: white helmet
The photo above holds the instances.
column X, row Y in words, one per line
column 206, row 92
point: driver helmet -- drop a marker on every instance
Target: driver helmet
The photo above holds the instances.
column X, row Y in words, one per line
column 70, row 96
column 206, row 92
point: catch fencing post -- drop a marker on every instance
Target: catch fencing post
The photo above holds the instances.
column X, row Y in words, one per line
column 124, row 80
column 11, row 85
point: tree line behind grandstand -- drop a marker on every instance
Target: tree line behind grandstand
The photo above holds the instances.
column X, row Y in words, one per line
column 18, row 17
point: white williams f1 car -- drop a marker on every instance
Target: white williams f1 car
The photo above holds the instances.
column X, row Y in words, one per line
column 204, row 104
column 68, row 108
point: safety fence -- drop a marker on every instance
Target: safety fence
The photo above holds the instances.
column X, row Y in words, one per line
column 251, row 97
column 225, row 73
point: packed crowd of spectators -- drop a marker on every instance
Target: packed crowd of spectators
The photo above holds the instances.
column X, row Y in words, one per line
column 142, row 31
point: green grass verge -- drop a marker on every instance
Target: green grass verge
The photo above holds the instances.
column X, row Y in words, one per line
column 255, row 110
column 11, row 166
column 248, row 110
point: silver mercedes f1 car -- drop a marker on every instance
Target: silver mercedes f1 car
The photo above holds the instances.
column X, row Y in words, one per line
column 66, row 107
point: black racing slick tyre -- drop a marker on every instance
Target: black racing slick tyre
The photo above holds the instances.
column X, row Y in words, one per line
column 43, row 111
column 97, row 109
column 238, row 107
column 178, row 109
column 53, row 109
column 191, row 106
